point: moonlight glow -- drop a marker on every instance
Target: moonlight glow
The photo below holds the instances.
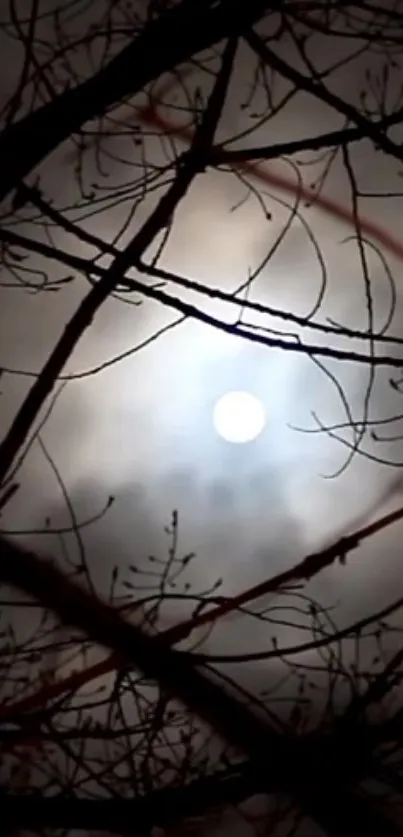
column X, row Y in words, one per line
column 239, row 417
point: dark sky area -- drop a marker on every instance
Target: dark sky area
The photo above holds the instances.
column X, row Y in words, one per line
column 141, row 429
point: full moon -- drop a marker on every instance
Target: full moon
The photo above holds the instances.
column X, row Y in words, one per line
column 239, row 417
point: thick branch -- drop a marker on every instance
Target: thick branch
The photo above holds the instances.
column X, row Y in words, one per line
column 191, row 164
column 168, row 806
column 372, row 130
column 220, row 154
column 304, row 570
column 161, row 808
column 171, row 39
column 104, row 625
column 312, row 776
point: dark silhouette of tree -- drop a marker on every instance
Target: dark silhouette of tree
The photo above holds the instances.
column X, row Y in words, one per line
column 168, row 738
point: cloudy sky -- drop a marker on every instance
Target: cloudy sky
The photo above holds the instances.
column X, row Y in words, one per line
column 141, row 429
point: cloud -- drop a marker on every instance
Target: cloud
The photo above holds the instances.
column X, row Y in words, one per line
column 142, row 429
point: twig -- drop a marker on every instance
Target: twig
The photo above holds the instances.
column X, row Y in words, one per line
column 304, row 570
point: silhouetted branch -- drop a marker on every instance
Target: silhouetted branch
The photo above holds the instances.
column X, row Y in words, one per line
column 337, row 810
column 192, row 164
column 160, row 47
column 318, row 90
column 170, row 805
column 304, row 571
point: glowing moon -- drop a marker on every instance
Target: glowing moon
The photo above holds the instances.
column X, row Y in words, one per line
column 239, row 417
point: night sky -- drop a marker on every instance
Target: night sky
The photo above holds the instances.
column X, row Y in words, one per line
column 141, row 429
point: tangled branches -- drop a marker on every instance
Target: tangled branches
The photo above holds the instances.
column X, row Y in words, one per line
column 236, row 166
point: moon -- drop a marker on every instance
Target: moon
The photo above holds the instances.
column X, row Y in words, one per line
column 239, row 417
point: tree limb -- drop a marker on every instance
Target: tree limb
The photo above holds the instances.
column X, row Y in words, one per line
column 172, row 38
column 310, row 775
column 192, row 163
column 370, row 129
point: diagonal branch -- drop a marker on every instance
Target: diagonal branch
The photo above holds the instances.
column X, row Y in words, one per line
column 190, row 166
column 370, row 129
column 306, row 569
column 220, row 154
column 163, row 808
column 172, row 38
column 88, row 308
column 241, row 159
column 86, row 267
column 103, row 624
column 311, row 774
